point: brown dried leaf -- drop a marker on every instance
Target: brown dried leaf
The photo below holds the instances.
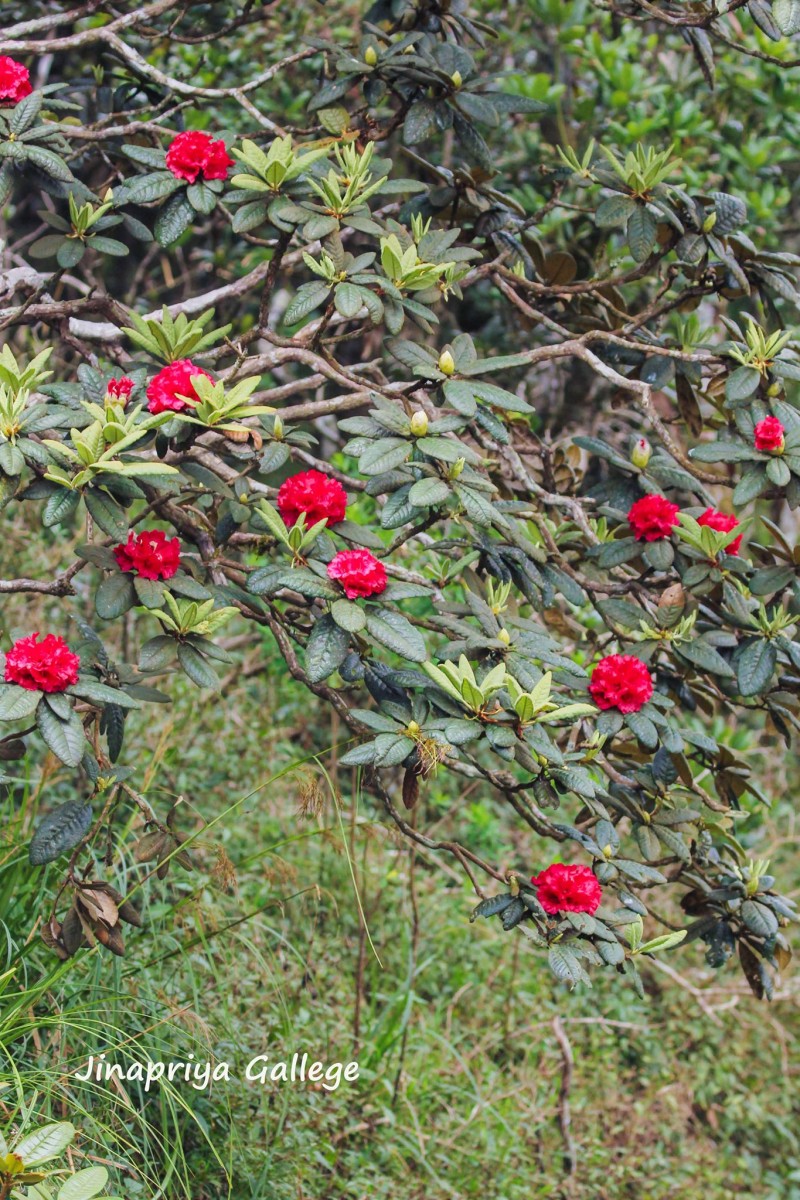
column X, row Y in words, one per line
column 149, row 846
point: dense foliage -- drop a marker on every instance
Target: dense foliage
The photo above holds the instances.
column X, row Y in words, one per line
column 478, row 399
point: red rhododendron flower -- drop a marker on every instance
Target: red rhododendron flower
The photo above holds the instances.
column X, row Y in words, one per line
column 312, row 493
column 120, row 389
column 359, row 572
column 652, row 518
column 621, row 681
column 192, row 154
column 723, row 523
column 564, row 888
column 47, row 666
column 171, row 389
column 768, row 435
column 150, row 554
column 15, row 82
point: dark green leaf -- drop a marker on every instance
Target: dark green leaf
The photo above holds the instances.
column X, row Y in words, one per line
column 59, row 831
column 327, row 648
column 115, row 596
column 755, row 666
column 197, row 667
column 65, row 738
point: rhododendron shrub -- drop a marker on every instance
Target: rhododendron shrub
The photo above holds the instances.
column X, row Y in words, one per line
column 444, row 427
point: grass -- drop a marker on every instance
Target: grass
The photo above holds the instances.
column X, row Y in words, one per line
column 452, row 1024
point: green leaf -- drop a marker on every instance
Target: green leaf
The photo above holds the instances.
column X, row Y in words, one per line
column 101, row 693
column 445, row 449
column 741, row 383
column 141, row 189
column 59, row 831
column 420, row 122
column 565, row 966
column 108, row 514
column 641, row 232
column 614, row 210
column 197, row 667
column 384, row 455
column 47, row 246
column 639, row 871
column 359, row 756
column 348, row 300
column 59, row 506
column 392, row 630
column 308, row 297
column 491, row 906
column 664, row 942
column 45, row 1143
column 476, row 506
column 70, row 253
column 643, row 728
column 150, row 592
column 115, row 596
column 84, row 1185
column 659, row 554
column 391, row 749
column 778, row 472
column 157, row 654
column 786, row 14
column 758, row 918
column 52, row 164
column 426, row 493
column 174, row 219
column 701, row 655
column 713, row 452
column 348, row 615
column 16, row 702
column 648, row 843
column 327, row 648
column 147, row 156
column 755, row 666
column 25, row 113
column 65, row 738
column 621, row 550
column 201, row 197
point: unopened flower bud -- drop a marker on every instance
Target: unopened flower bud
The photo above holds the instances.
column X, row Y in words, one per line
column 774, row 389
column 277, row 429
column 457, row 79
column 608, row 850
column 641, row 452
column 457, row 468
column 505, row 637
column 419, row 423
column 446, row 363
column 370, row 56
column 413, row 729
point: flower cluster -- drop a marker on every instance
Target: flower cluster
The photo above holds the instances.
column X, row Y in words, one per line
column 171, row 389
column 565, row 888
column 652, row 518
column 359, row 572
column 47, row 665
column 768, row 436
column 722, row 523
column 193, row 154
column 312, row 493
column 621, row 681
column 15, row 81
column 149, row 554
